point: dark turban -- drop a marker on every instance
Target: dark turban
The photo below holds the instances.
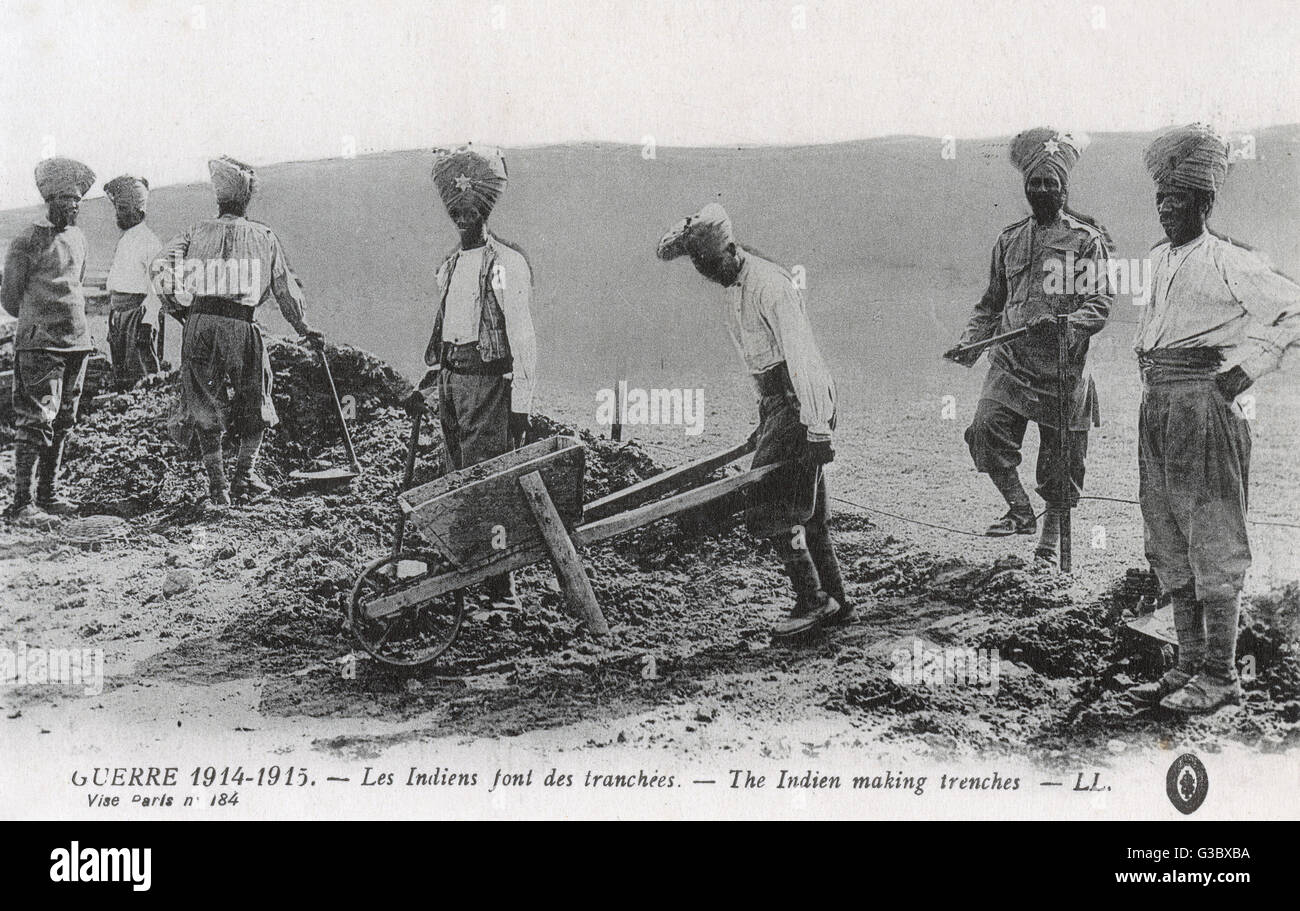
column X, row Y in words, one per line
column 1044, row 145
column 469, row 173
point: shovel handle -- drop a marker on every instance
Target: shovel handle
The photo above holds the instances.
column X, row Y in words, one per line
column 408, row 477
column 994, row 340
column 338, row 410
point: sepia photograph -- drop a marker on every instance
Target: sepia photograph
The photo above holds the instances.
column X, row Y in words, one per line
column 654, row 409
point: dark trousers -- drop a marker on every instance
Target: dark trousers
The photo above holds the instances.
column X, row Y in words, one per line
column 795, row 495
column 996, row 435
column 1194, row 466
column 47, row 393
column 219, row 352
column 131, row 344
column 474, row 410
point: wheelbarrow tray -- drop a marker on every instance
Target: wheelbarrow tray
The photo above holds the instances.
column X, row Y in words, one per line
column 479, row 515
column 613, row 521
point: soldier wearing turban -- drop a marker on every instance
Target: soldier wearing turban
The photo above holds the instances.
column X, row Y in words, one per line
column 42, row 288
column 230, row 265
column 134, row 310
column 767, row 319
column 482, row 355
column 1215, row 319
column 1022, row 383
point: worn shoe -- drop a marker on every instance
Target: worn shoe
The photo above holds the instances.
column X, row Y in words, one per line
column 844, row 615
column 1172, row 681
column 1013, row 523
column 807, row 617
column 56, row 505
column 32, row 516
column 249, row 487
column 218, row 501
column 1203, row 694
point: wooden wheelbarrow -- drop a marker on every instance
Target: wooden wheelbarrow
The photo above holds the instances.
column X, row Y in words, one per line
column 520, row 508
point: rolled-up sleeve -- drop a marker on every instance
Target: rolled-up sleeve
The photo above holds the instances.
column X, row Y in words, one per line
column 1273, row 303
column 784, row 310
column 513, row 283
column 286, row 289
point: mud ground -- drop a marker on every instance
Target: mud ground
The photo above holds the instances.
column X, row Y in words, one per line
column 191, row 609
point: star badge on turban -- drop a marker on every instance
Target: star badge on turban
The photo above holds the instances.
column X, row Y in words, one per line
column 470, row 173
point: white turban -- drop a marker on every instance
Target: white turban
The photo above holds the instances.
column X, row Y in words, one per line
column 707, row 229
column 232, row 180
column 1194, row 157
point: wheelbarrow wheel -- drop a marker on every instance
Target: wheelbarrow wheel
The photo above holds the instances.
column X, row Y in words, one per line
column 417, row 634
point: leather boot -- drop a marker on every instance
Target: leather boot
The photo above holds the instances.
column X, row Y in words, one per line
column 1049, row 539
column 47, row 480
column 218, row 491
column 23, row 511
column 812, row 605
column 1189, row 624
column 246, row 483
column 822, row 550
column 1019, row 518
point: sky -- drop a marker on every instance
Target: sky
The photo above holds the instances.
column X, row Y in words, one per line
column 157, row 87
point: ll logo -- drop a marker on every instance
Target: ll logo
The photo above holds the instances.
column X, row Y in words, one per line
column 1187, row 783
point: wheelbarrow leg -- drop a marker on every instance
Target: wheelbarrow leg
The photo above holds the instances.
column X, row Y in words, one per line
column 564, row 556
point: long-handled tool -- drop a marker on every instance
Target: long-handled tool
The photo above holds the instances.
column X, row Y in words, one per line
column 333, row 475
column 408, row 477
column 960, row 350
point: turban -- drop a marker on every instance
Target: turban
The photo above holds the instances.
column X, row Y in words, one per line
column 1044, row 145
column 1194, row 157
column 63, row 177
column 707, row 229
column 468, row 174
column 128, row 191
column 232, row 180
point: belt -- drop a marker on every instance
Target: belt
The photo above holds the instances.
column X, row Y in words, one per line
column 1179, row 365
column 774, row 380
column 466, row 359
column 220, row 306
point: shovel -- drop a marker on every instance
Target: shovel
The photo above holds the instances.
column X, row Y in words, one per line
column 333, row 476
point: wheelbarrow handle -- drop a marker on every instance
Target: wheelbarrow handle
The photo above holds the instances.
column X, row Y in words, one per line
column 408, row 478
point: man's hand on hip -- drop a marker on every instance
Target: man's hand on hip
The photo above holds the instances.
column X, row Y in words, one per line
column 819, row 452
column 1233, row 383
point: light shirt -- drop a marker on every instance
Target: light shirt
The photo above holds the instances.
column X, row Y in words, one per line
column 232, row 258
column 768, row 322
column 512, row 283
column 129, row 273
column 461, row 319
column 1211, row 293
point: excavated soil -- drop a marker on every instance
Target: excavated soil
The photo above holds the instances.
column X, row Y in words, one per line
column 689, row 605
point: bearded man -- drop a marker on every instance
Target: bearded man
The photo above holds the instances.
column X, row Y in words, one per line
column 1054, row 261
column 42, row 287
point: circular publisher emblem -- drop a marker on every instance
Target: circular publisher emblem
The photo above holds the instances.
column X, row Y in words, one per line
column 1187, row 783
